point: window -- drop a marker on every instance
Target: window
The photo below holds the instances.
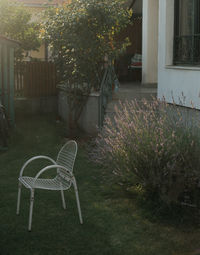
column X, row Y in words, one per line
column 187, row 32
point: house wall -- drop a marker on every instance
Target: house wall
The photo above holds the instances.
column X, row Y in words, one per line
column 40, row 53
column 179, row 84
column 150, row 41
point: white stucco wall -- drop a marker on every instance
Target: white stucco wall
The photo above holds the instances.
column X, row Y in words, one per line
column 181, row 84
column 150, row 41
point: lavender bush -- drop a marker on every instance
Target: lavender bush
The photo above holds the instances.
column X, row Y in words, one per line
column 154, row 144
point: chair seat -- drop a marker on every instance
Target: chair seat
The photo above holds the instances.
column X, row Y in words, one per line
column 57, row 183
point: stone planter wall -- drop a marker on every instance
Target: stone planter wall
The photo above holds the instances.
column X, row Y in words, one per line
column 89, row 119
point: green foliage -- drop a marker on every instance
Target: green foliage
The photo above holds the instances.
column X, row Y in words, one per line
column 16, row 24
column 155, row 145
column 82, row 33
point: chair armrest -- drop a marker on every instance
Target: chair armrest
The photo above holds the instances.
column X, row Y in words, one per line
column 53, row 166
column 32, row 159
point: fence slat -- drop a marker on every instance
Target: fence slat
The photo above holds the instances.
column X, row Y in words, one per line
column 35, row 79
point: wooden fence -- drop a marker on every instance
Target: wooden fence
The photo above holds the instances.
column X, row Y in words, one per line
column 35, row 79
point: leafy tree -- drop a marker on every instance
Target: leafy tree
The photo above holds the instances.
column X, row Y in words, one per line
column 15, row 23
column 81, row 33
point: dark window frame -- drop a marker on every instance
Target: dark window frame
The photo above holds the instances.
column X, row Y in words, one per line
column 187, row 46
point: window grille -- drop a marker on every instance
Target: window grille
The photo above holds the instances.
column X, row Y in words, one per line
column 187, row 32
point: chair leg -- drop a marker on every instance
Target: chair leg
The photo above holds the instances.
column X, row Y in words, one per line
column 19, row 198
column 63, row 199
column 77, row 201
column 31, row 209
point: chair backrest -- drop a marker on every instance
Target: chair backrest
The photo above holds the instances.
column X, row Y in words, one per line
column 67, row 155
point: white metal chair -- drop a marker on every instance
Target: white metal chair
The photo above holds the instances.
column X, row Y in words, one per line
column 62, row 181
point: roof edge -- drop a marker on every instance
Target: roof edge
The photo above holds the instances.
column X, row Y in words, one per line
column 6, row 39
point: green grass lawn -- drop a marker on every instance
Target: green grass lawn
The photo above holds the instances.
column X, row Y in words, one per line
column 113, row 221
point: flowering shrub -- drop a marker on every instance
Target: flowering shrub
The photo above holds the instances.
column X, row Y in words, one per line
column 155, row 145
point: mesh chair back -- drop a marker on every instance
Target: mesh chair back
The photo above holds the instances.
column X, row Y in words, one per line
column 66, row 157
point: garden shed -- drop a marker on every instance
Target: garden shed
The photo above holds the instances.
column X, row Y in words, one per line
column 7, row 47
